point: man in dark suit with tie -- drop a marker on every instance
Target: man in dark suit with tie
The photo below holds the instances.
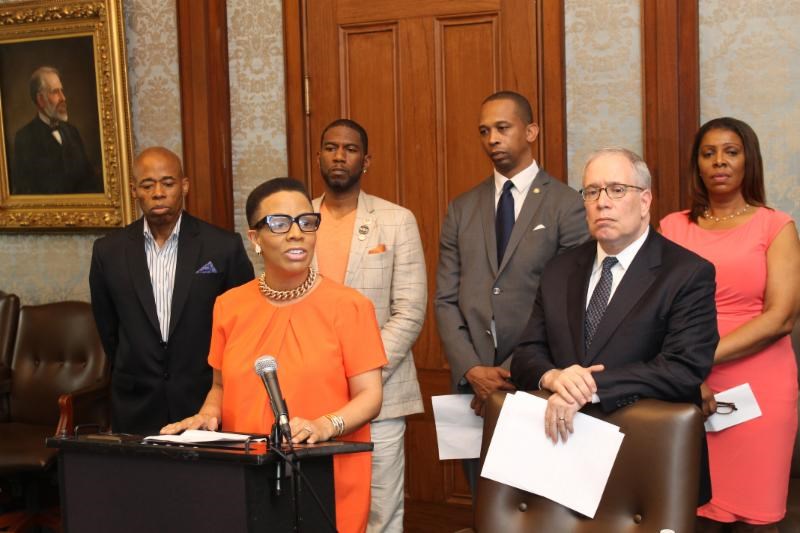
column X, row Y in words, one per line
column 625, row 316
column 49, row 156
column 495, row 241
column 153, row 286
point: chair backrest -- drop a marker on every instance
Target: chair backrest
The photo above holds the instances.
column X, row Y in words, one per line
column 57, row 351
column 653, row 485
column 9, row 316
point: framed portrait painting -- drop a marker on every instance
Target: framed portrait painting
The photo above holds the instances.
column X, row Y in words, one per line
column 65, row 138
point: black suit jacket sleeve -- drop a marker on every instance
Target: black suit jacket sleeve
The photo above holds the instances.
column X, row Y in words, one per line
column 686, row 356
column 105, row 313
column 532, row 358
column 241, row 269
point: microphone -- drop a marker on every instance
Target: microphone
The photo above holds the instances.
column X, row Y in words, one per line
column 267, row 369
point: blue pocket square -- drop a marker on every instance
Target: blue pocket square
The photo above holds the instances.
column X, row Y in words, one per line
column 208, row 268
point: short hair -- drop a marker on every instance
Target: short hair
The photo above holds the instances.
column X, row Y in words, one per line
column 353, row 125
column 267, row 189
column 522, row 104
column 641, row 172
column 753, row 182
column 36, row 83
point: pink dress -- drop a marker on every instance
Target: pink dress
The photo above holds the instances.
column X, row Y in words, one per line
column 749, row 462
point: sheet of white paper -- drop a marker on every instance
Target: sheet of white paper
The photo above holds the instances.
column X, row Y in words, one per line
column 573, row 474
column 200, row 436
column 458, row 431
column 746, row 408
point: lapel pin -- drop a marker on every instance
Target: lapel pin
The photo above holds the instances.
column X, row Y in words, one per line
column 536, row 190
column 362, row 232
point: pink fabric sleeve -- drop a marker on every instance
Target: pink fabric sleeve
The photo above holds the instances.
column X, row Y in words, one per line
column 776, row 220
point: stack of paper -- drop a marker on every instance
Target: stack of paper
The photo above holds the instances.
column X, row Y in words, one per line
column 458, row 430
column 201, row 436
column 746, row 408
column 572, row 473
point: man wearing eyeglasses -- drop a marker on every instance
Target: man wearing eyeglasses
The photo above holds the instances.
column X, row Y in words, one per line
column 374, row 246
column 153, row 286
column 627, row 315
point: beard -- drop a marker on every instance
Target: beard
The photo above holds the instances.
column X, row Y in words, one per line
column 340, row 183
column 56, row 112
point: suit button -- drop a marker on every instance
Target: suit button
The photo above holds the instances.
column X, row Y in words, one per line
column 497, row 290
column 523, row 507
column 637, row 518
column 489, row 332
column 166, row 376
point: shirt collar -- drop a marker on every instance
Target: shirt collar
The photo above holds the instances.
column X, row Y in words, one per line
column 522, row 181
column 626, row 256
column 176, row 231
column 44, row 118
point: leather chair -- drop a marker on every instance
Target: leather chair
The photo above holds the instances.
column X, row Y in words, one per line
column 9, row 316
column 653, row 485
column 57, row 365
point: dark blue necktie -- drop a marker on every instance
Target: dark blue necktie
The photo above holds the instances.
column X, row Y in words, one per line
column 598, row 301
column 504, row 220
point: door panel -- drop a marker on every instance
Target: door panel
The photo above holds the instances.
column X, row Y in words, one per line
column 414, row 73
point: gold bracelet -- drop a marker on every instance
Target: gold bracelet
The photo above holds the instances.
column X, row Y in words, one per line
column 338, row 424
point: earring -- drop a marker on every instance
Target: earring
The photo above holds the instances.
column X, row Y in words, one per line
column 258, row 250
column 364, row 171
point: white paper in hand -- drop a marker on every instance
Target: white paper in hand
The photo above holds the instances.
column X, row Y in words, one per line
column 746, row 408
column 458, row 431
column 573, row 474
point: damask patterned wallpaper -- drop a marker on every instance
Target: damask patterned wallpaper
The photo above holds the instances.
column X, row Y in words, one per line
column 50, row 267
column 750, row 70
column 258, row 119
column 604, row 85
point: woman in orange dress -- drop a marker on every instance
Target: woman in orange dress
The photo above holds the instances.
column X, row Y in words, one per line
column 756, row 253
column 323, row 335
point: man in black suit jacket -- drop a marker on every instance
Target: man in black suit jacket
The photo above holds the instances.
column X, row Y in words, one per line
column 153, row 286
column 656, row 337
column 49, row 156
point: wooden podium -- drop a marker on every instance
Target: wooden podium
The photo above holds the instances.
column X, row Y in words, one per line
column 132, row 487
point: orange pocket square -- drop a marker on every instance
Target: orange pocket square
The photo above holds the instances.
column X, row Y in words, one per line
column 378, row 249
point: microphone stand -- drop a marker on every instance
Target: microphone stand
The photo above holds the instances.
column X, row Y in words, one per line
column 294, row 469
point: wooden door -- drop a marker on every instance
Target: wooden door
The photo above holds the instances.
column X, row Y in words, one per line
column 414, row 74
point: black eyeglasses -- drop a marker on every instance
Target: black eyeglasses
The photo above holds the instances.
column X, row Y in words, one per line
column 725, row 408
column 307, row 222
column 615, row 191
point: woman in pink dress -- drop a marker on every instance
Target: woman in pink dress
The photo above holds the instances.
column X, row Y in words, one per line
column 757, row 256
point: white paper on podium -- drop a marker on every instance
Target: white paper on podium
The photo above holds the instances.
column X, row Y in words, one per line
column 458, row 431
column 573, row 474
column 746, row 408
column 201, row 436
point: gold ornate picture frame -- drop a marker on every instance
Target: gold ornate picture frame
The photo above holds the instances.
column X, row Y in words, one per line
column 65, row 136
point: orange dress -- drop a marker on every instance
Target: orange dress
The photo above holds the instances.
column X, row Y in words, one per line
column 749, row 463
column 318, row 342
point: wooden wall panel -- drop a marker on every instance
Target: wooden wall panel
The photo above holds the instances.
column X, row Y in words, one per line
column 370, row 88
column 671, row 98
column 467, row 52
column 205, row 109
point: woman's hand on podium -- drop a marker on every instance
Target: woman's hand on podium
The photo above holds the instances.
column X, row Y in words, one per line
column 198, row 421
column 311, row 431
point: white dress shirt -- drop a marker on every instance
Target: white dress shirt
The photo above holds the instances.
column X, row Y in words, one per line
column 624, row 260
column 522, row 184
column 162, row 263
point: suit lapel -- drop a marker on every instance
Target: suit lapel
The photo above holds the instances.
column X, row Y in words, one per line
column 188, row 253
column 358, row 247
column 486, row 200
column 139, row 273
column 529, row 207
column 640, row 275
column 577, row 285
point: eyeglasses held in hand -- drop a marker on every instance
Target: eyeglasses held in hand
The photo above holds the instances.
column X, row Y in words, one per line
column 725, row 408
column 307, row 222
column 615, row 191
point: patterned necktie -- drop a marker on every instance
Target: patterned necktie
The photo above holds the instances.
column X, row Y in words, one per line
column 504, row 220
column 598, row 301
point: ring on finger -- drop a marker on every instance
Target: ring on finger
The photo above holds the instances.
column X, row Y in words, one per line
column 561, row 419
